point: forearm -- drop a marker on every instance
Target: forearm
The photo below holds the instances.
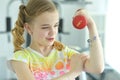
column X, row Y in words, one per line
column 96, row 51
column 68, row 76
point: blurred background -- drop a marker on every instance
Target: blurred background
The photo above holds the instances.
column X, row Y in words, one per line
column 104, row 12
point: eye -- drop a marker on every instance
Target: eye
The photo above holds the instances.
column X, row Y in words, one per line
column 45, row 27
column 56, row 26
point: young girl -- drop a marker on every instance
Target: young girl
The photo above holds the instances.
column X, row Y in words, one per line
column 46, row 58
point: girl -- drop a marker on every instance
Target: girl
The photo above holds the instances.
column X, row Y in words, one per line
column 45, row 58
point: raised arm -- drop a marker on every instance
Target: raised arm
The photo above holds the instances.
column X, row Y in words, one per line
column 95, row 62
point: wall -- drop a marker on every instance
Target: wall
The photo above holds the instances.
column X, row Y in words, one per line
column 6, row 47
column 112, row 39
column 72, row 36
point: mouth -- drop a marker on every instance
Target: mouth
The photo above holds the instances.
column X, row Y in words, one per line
column 50, row 39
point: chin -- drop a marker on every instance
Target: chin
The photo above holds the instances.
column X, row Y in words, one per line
column 50, row 43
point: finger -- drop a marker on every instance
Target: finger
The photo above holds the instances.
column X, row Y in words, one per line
column 78, row 11
column 83, row 55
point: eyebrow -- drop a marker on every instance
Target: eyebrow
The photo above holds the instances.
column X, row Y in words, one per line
column 49, row 24
column 44, row 24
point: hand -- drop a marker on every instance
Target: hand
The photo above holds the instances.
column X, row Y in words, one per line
column 84, row 13
column 77, row 62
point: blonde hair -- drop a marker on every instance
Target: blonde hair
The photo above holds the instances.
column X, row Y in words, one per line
column 26, row 15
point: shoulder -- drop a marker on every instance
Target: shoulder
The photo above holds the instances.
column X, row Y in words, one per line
column 69, row 50
column 21, row 55
column 62, row 47
column 22, row 52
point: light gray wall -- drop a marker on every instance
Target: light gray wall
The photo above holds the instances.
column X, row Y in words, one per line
column 6, row 47
column 75, row 37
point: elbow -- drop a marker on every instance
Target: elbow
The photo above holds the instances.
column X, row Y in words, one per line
column 99, row 70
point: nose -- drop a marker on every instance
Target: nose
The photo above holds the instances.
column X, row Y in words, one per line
column 53, row 31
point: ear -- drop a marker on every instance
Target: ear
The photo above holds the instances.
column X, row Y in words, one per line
column 28, row 28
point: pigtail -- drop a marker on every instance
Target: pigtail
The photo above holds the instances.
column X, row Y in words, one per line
column 58, row 45
column 18, row 31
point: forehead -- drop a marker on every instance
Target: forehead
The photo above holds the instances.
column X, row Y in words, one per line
column 47, row 17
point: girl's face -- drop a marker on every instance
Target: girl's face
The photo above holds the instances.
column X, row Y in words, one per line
column 45, row 28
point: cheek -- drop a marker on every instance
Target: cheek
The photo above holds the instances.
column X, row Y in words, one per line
column 42, row 34
column 57, row 31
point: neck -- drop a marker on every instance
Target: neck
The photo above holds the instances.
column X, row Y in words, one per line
column 44, row 50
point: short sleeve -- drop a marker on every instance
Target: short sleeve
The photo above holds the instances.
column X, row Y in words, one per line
column 69, row 52
column 18, row 56
column 21, row 56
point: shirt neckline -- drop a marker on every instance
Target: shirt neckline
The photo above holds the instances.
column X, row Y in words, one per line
column 34, row 51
